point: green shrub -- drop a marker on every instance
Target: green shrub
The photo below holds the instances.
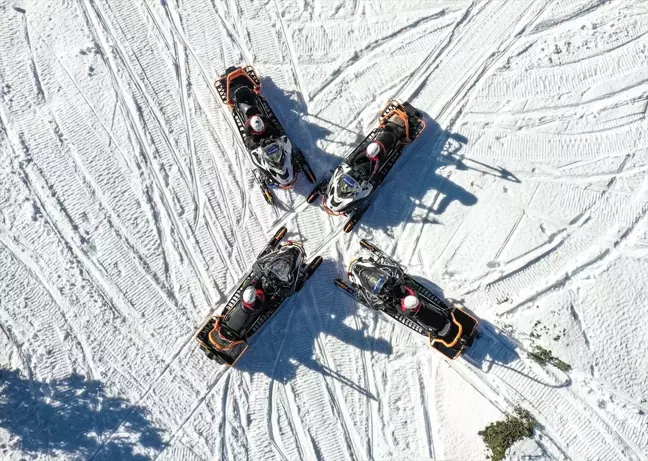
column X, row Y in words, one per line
column 501, row 435
column 543, row 357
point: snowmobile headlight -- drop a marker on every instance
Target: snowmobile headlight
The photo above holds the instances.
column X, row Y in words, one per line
column 348, row 185
column 274, row 153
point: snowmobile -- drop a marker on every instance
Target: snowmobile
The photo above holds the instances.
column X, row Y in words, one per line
column 280, row 271
column 276, row 160
column 380, row 282
column 346, row 190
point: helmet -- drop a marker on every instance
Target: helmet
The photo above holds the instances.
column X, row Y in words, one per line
column 257, row 124
column 410, row 303
column 373, row 150
column 249, row 296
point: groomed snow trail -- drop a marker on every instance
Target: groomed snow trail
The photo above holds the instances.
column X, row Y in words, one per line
column 128, row 214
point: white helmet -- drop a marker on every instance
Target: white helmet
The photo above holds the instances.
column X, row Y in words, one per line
column 373, row 150
column 410, row 303
column 256, row 124
column 249, row 296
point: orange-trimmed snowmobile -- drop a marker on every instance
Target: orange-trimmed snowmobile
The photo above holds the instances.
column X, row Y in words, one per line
column 276, row 160
column 381, row 283
column 347, row 189
column 279, row 271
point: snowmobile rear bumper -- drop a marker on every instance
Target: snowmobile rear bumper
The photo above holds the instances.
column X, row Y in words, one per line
column 222, row 85
column 227, row 355
column 464, row 339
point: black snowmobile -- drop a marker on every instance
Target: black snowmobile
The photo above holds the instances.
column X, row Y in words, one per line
column 279, row 271
column 380, row 283
column 346, row 190
column 276, row 160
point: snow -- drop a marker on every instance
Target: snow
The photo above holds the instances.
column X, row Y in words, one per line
column 128, row 215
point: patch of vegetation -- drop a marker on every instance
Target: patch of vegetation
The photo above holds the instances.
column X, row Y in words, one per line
column 543, row 357
column 501, row 435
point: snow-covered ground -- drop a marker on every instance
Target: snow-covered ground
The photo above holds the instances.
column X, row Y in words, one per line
column 127, row 216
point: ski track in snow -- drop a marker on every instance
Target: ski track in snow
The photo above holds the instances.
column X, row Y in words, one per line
column 128, row 214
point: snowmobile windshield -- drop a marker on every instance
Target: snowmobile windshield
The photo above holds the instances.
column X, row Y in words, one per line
column 373, row 279
column 281, row 266
column 348, row 185
column 274, row 153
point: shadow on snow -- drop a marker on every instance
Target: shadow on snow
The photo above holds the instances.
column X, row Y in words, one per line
column 300, row 333
column 405, row 182
column 74, row 416
column 492, row 347
column 417, row 172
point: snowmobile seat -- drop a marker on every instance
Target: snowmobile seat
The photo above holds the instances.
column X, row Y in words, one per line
column 244, row 95
column 434, row 320
column 248, row 111
column 387, row 138
column 240, row 319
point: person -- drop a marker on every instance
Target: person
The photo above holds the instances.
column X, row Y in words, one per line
column 368, row 161
column 255, row 125
column 409, row 303
column 253, row 297
column 258, row 129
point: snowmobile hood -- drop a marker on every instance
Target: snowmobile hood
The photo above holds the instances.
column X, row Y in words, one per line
column 275, row 158
column 344, row 189
column 372, row 277
column 282, row 265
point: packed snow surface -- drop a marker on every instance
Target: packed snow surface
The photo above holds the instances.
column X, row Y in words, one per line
column 128, row 214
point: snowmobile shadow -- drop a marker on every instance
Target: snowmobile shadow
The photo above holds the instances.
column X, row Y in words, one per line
column 492, row 347
column 293, row 114
column 301, row 333
column 441, row 149
column 75, row 416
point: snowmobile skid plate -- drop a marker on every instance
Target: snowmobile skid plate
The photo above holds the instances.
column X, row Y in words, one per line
column 228, row 353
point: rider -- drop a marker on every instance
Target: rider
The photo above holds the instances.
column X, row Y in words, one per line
column 258, row 128
column 374, row 152
column 253, row 297
column 384, row 142
column 410, row 304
